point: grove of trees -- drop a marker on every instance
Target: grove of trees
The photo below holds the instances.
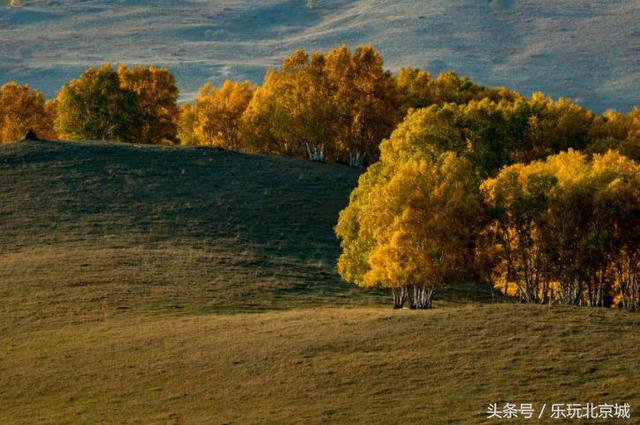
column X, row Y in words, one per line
column 410, row 224
column 95, row 107
column 157, row 100
column 513, row 192
column 567, row 229
column 216, row 117
column 341, row 103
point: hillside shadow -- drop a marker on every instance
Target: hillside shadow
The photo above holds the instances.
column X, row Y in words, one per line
column 227, row 231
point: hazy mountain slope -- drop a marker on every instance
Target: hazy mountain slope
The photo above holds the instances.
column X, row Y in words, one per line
column 589, row 50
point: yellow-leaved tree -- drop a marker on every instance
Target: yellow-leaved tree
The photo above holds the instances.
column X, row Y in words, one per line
column 567, row 229
column 412, row 221
column 337, row 106
column 368, row 106
column 547, row 232
column 418, row 89
column 157, row 101
column 22, row 109
column 186, row 124
column 425, row 219
column 292, row 113
column 615, row 130
column 218, row 112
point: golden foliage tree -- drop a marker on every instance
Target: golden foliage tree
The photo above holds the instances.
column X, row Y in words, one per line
column 21, row 109
column 553, row 127
column 292, row 113
column 567, row 229
column 518, row 196
column 418, row 89
column 366, row 100
column 494, row 134
column 410, row 224
column 218, row 112
column 615, row 130
column 342, row 103
column 263, row 118
column 564, row 228
column 186, row 125
column 431, row 211
column 157, row 100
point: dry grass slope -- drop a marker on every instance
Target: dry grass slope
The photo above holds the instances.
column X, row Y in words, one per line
column 366, row 365
column 121, row 227
column 159, row 285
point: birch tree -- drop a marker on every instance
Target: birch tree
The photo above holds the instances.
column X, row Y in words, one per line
column 568, row 229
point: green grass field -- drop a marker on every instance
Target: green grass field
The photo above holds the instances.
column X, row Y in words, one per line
column 190, row 285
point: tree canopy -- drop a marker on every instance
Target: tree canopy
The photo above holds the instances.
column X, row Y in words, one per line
column 96, row 107
column 411, row 222
column 568, row 229
column 218, row 113
column 157, row 96
column 344, row 102
column 137, row 105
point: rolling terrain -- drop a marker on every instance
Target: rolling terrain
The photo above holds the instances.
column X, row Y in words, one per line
column 122, row 227
column 588, row 50
column 191, row 285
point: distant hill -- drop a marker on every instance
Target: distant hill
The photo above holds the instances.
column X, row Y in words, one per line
column 588, row 50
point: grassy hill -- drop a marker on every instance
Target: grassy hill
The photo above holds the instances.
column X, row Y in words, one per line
column 122, row 227
column 191, row 285
column 587, row 49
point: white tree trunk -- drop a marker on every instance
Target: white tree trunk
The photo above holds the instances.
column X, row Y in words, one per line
column 316, row 154
column 355, row 159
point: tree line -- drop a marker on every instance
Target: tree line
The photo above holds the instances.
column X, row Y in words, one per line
column 137, row 105
column 334, row 106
